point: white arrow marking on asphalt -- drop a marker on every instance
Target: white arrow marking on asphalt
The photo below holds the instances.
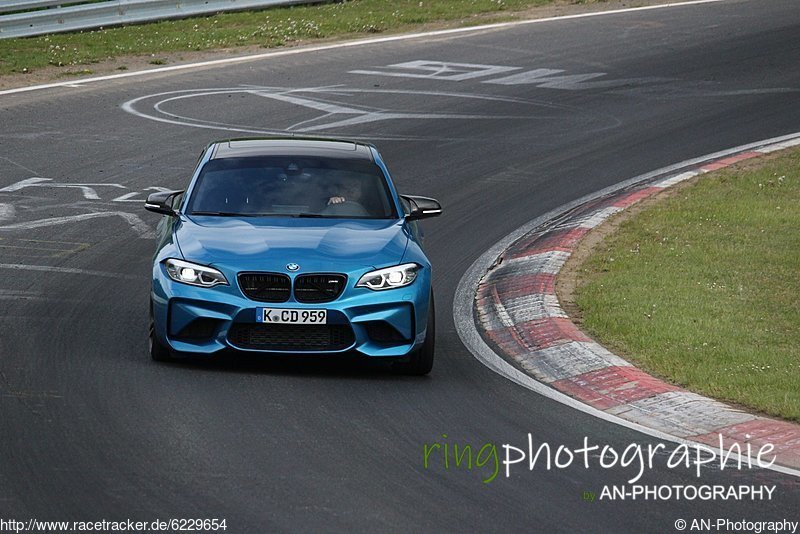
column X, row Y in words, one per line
column 87, row 189
column 88, row 192
column 308, row 103
column 361, row 116
column 439, row 70
column 23, row 184
column 545, row 78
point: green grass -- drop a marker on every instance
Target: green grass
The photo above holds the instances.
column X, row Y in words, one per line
column 267, row 28
column 704, row 288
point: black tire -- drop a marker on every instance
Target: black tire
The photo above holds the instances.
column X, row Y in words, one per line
column 420, row 361
column 158, row 351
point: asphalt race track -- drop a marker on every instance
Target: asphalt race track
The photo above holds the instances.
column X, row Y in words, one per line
column 501, row 126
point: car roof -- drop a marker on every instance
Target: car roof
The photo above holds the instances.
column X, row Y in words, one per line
column 290, row 146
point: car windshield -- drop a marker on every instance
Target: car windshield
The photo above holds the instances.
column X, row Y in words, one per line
column 272, row 186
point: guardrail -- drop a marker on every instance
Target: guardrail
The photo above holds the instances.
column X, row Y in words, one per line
column 73, row 15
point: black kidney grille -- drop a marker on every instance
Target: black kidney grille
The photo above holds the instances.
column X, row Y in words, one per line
column 266, row 287
column 318, row 287
column 291, row 337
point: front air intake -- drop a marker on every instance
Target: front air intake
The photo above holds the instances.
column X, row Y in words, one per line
column 291, row 337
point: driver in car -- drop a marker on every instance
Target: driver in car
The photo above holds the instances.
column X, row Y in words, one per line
column 348, row 189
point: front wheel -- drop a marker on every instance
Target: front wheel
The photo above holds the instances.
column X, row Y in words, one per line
column 158, row 351
column 421, row 360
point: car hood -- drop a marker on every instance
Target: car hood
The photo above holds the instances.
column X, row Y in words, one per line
column 270, row 243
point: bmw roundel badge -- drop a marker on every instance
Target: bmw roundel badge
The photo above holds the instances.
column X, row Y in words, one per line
column 292, row 267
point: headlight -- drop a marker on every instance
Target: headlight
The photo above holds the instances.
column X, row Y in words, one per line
column 194, row 274
column 390, row 278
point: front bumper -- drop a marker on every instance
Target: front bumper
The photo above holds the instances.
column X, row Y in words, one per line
column 205, row 321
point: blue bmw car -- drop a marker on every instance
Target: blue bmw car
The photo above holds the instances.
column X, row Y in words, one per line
column 290, row 245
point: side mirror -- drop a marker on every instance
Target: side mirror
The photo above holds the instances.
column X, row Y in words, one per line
column 161, row 202
column 421, row 207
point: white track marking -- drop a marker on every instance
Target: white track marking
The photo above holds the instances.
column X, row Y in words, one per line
column 311, row 104
column 22, row 184
column 6, row 212
column 129, row 197
column 67, row 270
column 88, row 190
column 139, row 226
column 439, row 70
column 329, row 109
column 347, row 44
column 546, row 78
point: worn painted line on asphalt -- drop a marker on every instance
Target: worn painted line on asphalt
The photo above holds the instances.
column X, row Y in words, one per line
column 137, row 224
column 22, row 184
column 7, row 212
column 69, row 270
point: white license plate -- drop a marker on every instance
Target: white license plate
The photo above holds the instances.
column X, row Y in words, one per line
column 289, row 316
